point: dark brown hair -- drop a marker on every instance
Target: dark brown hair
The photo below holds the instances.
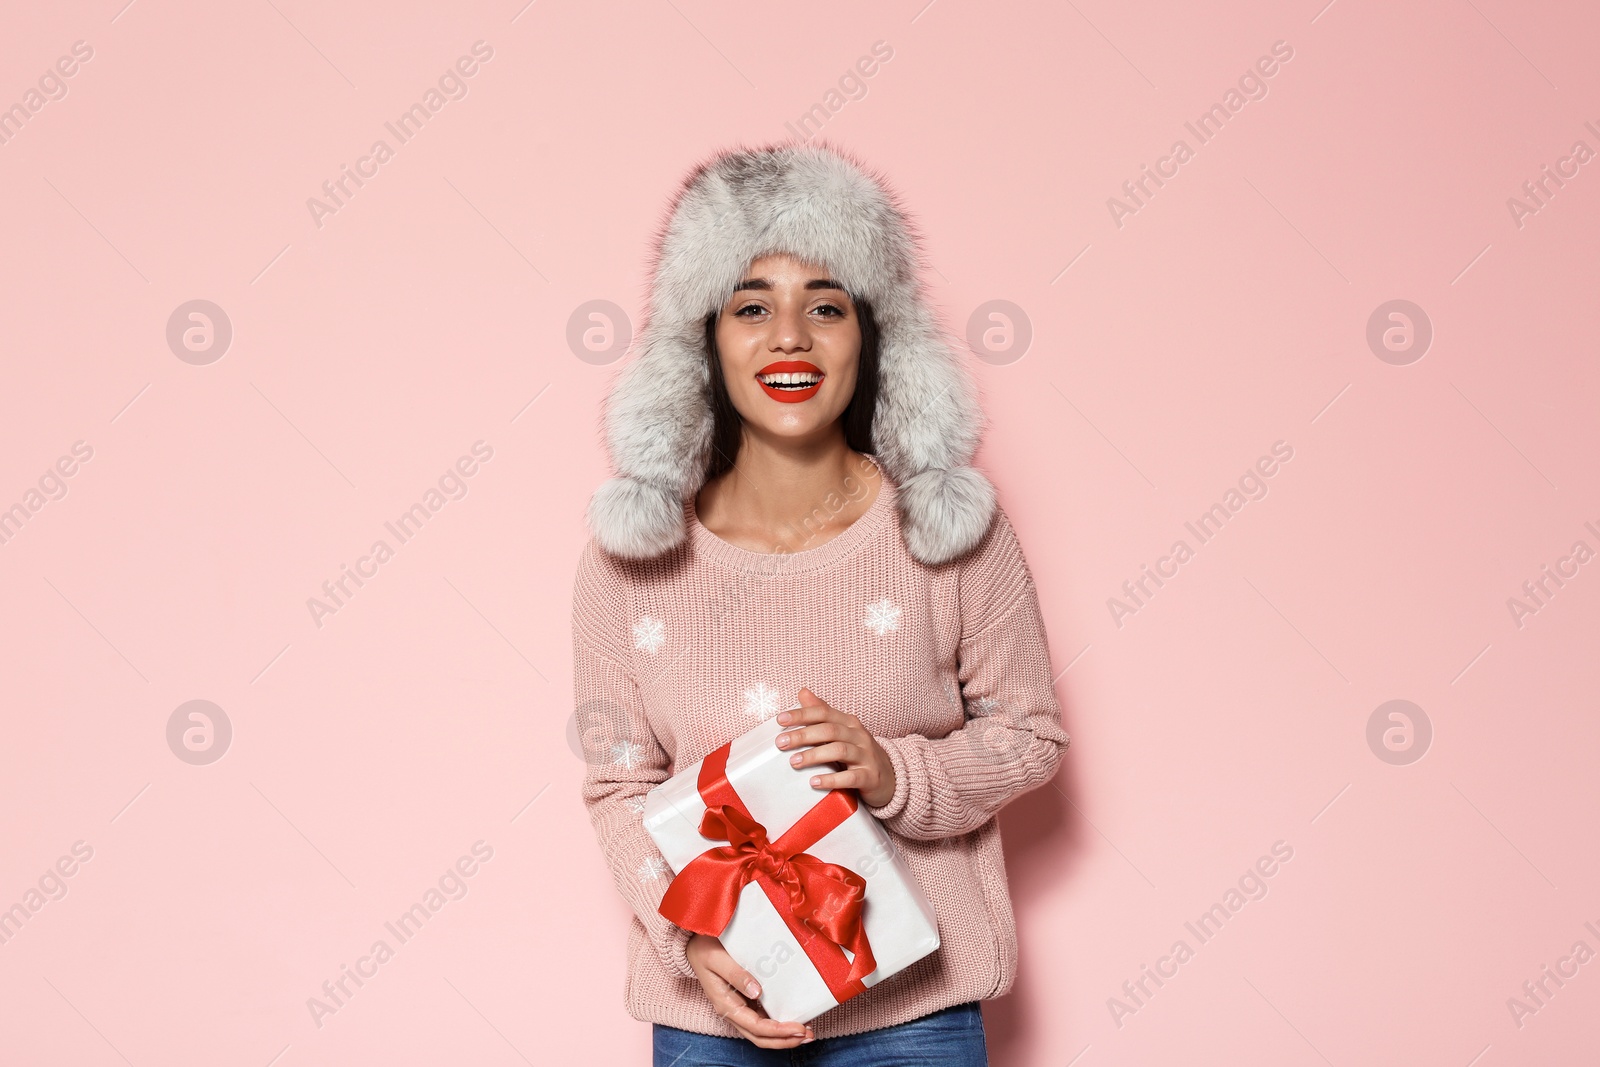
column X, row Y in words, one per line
column 727, row 427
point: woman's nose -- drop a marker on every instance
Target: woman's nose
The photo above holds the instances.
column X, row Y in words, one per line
column 790, row 331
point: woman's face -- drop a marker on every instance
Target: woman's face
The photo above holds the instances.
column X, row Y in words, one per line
column 790, row 343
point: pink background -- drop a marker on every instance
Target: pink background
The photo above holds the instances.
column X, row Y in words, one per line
column 1168, row 354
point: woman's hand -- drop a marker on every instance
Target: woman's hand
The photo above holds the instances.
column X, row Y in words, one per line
column 839, row 738
column 723, row 979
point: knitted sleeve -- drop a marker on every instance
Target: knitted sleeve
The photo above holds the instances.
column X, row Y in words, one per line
column 1013, row 739
column 624, row 759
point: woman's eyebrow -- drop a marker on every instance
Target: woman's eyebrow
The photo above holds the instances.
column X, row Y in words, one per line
column 764, row 284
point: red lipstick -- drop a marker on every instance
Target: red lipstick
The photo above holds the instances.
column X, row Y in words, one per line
column 803, row 380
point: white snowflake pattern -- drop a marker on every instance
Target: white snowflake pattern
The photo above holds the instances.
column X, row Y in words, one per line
column 649, row 635
column 651, row 868
column 636, row 804
column 985, row 705
column 627, row 754
column 761, row 701
column 882, row 617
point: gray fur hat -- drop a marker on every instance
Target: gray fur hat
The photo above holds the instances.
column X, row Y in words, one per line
column 815, row 202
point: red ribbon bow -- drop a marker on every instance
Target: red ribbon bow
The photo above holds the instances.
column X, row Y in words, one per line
column 820, row 902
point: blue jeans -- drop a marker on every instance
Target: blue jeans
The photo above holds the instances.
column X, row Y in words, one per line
column 950, row 1037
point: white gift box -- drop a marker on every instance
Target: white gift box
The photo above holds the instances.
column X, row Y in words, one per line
column 900, row 923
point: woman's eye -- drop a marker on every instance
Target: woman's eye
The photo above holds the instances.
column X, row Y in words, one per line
column 830, row 311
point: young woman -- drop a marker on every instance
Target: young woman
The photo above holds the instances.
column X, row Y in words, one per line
column 795, row 520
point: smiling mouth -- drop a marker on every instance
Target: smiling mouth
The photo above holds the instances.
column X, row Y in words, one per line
column 791, row 381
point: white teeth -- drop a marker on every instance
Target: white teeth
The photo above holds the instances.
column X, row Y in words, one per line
column 795, row 379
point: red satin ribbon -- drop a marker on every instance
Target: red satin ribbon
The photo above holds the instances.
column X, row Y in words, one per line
column 821, row 903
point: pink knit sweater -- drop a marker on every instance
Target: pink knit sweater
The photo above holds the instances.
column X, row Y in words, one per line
column 947, row 666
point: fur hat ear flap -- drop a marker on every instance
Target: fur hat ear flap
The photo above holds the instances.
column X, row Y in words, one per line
column 815, row 202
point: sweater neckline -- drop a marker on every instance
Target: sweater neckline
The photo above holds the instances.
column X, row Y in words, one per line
column 708, row 545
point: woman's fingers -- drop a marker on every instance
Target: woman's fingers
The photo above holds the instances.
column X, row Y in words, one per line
column 725, row 967
column 768, row 1033
column 850, row 779
column 831, row 736
column 802, row 716
column 840, row 730
column 832, row 752
column 730, row 979
column 816, row 712
column 764, row 1031
column 810, row 735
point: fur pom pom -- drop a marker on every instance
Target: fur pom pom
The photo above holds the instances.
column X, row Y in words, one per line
column 634, row 519
column 944, row 513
